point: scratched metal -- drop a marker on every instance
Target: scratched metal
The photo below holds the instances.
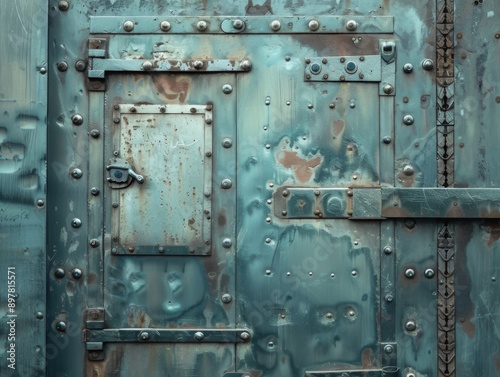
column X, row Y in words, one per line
column 213, row 249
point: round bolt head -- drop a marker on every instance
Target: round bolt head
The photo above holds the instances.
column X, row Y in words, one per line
column 227, row 142
column 198, row 64
column 388, row 89
column 227, row 89
column 201, row 25
column 387, row 139
column 238, row 24
column 313, row 25
column 408, row 120
column 147, row 65
column 199, row 336
column 408, row 68
column 275, row 25
column 408, row 170
column 76, row 223
column 427, row 64
column 77, row 119
column 388, row 349
column 80, row 65
column 429, row 273
column 77, row 273
column 410, row 223
column 59, row 273
column 43, row 70
column 246, row 65
column 389, row 298
column 94, row 243
column 387, row 250
column 227, row 243
column 77, row 173
column 410, row 326
column 63, row 6
column 144, row 335
column 61, row 326
column 39, row 315
column 165, row 26
column 226, row 298
column 410, row 273
column 128, row 26
column 351, row 25
column 40, row 203
column 245, row 335
column 226, row 184
column 95, row 134
column 62, row 66
column 94, row 191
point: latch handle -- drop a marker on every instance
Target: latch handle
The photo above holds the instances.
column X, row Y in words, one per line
column 139, row 178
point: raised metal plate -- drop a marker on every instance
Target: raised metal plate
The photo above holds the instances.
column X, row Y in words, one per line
column 335, row 68
column 384, row 372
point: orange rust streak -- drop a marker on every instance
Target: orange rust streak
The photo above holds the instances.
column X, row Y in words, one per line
column 302, row 168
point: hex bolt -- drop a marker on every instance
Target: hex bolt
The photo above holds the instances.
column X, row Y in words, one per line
column 387, row 250
column 351, row 25
column 165, row 26
column 76, row 223
column 313, row 25
column 94, row 191
column 388, row 349
column 387, row 139
column 227, row 89
column 227, row 142
column 63, row 5
column 40, row 203
column 62, row 66
column 198, row 64
column 427, row 64
column 199, row 336
column 429, row 273
column 147, row 65
column 77, row 173
column 275, row 25
column 59, row 273
column 388, row 89
column 80, row 65
column 128, row 26
column 226, row 298
column 61, row 326
column 238, row 24
column 76, row 273
column 226, row 184
column 410, row 326
column 246, row 65
column 410, row 273
column 77, row 119
column 408, row 68
column 408, row 170
column 201, row 25
column 245, row 336
column 227, row 243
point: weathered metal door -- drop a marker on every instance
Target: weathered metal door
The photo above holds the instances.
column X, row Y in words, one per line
column 274, row 189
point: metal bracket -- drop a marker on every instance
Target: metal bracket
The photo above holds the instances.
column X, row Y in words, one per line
column 121, row 174
column 343, row 68
column 384, row 372
column 94, row 318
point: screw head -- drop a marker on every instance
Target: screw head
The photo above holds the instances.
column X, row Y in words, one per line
column 227, row 142
column 313, row 25
column 76, row 223
column 77, row 119
column 226, row 298
column 226, row 184
column 199, row 336
column 62, row 66
column 201, row 25
column 351, row 25
column 427, row 64
column 408, row 68
column 408, row 120
column 61, row 326
column 410, row 273
column 77, row 173
column 238, row 24
column 147, row 65
column 227, row 243
column 275, row 25
column 388, row 89
column 246, row 65
column 429, row 273
column 165, row 26
column 410, row 326
column 227, row 89
column 59, row 273
column 76, row 273
column 128, row 26
column 63, row 6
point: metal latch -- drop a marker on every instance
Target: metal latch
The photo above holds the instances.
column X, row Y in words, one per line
column 121, row 174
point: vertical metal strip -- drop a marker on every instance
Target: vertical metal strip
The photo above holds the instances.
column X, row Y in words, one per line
column 387, row 254
column 445, row 169
column 95, row 247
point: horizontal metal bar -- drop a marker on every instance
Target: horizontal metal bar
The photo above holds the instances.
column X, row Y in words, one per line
column 252, row 24
column 347, row 373
column 344, row 68
column 166, row 336
column 160, row 65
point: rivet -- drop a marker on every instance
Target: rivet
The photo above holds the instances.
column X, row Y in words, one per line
column 201, row 25
column 208, row 120
column 389, row 298
column 387, row 139
column 354, row 273
column 410, row 223
column 77, row 273
column 350, row 193
column 388, row 349
column 77, row 119
column 94, row 242
column 144, row 335
column 310, row 273
column 325, row 76
column 208, row 154
column 275, row 25
column 226, row 184
column 63, row 6
column 287, row 58
column 161, row 249
column 310, row 105
column 95, row 133
column 114, row 204
column 408, row 68
column 61, row 326
column 116, row 120
column 410, row 326
column 388, row 89
column 43, row 70
column 62, row 66
column 429, row 273
column 324, row 61
column 313, row 25
column 165, row 26
column 331, row 105
column 226, row 298
column 285, row 193
column 227, row 142
column 387, row 250
column 269, row 201
column 427, row 64
column 329, row 315
column 199, row 336
column 245, row 336
column 226, row 88
column 77, row 173
column 406, row 99
column 308, row 77
column 317, row 212
column 408, row 170
column 39, row 315
column 317, row 192
column 163, row 109
column 147, row 65
column 114, row 250
column 94, row 191
column 227, row 243
column 410, row 273
column 493, row 279
column 408, row 120
column 131, row 249
column 238, row 24
column 246, row 65
column 128, row 26
column 267, row 102
column 268, row 272
column 351, row 25
column 352, row 105
column 284, row 213
column 354, row 177
column 497, row 35
column 207, row 194
column 76, row 223
column 198, row 64
column 59, row 273
column 268, row 219
column 80, row 65
column 40, row 203
column 268, row 240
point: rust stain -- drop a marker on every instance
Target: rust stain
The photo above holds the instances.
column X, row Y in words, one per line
column 221, row 219
column 496, row 362
column 258, row 10
column 302, row 168
column 339, row 45
column 492, row 227
column 173, row 88
column 406, row 180
column 338, row 127
column 367, row 358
